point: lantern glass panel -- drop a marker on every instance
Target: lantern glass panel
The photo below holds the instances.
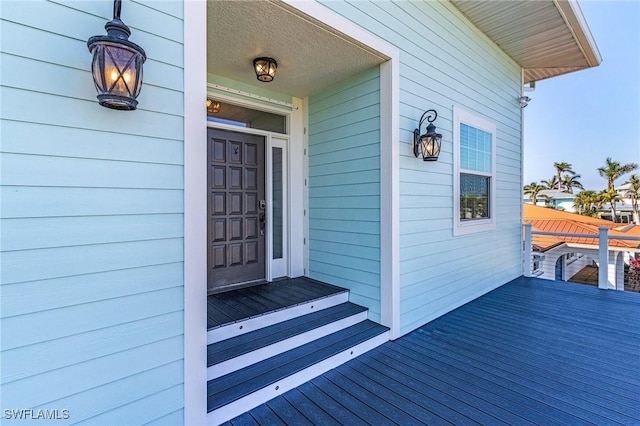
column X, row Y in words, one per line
column 430, row 147
column 120, row 71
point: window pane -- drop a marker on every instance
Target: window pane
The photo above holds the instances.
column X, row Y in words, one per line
column 277, row 203
column 246, row 117
column 475, row 149
column 474, row 197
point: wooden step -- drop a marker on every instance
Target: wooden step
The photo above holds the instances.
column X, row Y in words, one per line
column 242, row 390
column 241, row 351
column 266, row 319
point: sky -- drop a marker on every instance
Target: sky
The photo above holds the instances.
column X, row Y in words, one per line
column 584, row 117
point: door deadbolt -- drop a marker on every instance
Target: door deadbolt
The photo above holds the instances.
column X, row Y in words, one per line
column 262, row 204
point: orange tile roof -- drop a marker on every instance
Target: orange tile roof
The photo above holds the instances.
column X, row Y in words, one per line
column 551, row 220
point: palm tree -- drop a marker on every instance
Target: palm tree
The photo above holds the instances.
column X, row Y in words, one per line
column 611, row 197
column 533, row 190
column 634, row 194
column 552, row 183
column 613, row 170
column 585, row 202
column 570, row 182
column 562, row 168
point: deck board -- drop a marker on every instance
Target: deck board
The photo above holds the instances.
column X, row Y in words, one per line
column 249, row 302
column 427, row 404
column 315, row 414
column 331, row 405
column 530, row 352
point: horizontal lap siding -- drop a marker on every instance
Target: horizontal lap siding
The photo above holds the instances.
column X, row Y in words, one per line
column 92, row 219
column 446, row 62
column 344, row 188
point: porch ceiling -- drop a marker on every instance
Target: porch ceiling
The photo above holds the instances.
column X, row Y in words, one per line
column 311, row 56
column 547, row 38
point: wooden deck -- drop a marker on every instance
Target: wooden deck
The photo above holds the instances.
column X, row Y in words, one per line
column 530, row 352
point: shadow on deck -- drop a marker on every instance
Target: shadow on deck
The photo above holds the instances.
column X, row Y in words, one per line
column 531, row 352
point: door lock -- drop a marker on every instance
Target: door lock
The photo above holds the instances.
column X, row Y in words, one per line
column 261, row 218
column 262, row 204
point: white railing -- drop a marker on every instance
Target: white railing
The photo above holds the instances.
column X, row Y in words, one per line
column 603, row 252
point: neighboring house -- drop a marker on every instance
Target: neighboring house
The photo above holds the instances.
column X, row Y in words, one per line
column 624, row 209
column 561, row 257
column 554, row 198
column 107, row 216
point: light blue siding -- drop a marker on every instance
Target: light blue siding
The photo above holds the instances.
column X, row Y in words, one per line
column 91, row 294
column 344, row 188
column 446, row 62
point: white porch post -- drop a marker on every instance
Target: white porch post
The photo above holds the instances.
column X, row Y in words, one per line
column 603, row 258
column 195, row 213
column 527, row 264
column 617, row 263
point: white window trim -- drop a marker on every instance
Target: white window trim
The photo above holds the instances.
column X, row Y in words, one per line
column 537, row 264
column 477, row 225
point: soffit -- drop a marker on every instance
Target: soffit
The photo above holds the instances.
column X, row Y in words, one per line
column 546, row 37
column 311, row 56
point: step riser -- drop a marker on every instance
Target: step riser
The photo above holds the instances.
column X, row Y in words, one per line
column 252, row 324
column 261, row 354
column 263, row 395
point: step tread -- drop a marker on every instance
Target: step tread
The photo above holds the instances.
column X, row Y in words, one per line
column 233, row 386
column 239, row 345
column 258, row 300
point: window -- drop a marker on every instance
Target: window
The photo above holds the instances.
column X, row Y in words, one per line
column 237, row 115
column 474, row 140
column 536, row 264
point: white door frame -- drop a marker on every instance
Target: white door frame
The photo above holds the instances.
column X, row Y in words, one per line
column 282, row 267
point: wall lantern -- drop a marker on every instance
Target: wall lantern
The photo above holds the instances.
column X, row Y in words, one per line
column 265, row 68
column 117, row 64
column 213, row 107
column 427, row 145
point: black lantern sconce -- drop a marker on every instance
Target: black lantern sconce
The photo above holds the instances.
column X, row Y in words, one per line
column 265, row 68
column 117, row 64
column 427, row 145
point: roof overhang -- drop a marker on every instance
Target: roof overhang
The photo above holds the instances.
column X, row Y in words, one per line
column 546, row 37
column 311, row 54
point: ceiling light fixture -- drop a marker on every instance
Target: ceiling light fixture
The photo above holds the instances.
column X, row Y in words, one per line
column 265, row 68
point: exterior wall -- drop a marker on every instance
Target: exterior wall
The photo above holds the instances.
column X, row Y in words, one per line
column 446, row 62
column 344, row 188
column 92, row 219
column 566, row 205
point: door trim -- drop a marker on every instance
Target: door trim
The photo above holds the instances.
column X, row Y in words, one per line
column 272, row 140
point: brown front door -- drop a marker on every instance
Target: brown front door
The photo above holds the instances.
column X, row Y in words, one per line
column 236, row 209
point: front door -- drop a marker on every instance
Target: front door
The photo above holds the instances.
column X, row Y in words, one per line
column 236, row 209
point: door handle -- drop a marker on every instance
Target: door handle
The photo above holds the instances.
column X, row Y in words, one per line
column 261, row 218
